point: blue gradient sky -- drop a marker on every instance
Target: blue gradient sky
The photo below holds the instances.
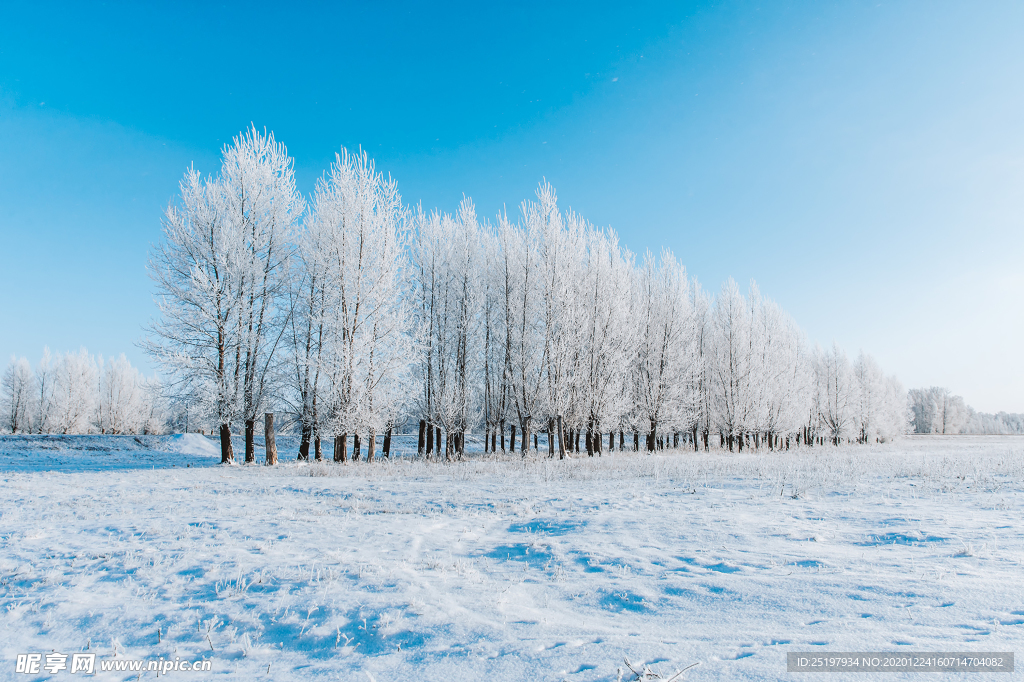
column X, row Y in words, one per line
column 863, row 162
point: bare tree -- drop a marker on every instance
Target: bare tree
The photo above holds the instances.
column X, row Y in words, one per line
column 18, row 395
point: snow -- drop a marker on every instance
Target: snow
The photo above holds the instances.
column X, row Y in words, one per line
column 500, row 569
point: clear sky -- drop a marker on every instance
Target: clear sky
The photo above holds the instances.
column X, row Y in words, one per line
column 863, row 162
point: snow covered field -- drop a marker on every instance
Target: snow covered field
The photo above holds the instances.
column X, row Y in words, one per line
column 507, row 570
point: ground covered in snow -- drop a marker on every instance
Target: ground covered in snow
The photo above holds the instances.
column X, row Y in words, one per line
column 502, row 569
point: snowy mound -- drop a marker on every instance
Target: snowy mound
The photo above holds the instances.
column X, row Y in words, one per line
column 191, row 444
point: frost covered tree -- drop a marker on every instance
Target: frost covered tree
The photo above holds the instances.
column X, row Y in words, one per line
column 663, row 352
column 872, row 398
column 938, row 410
column 42, row 419
column 308, row 330
column 261, row 207
column 494, row 395
column 75, row 377
column 524, row 312
column 356, row 321
column 448, row 257
column 609, row 341
column 732, row 400
column 699, row 378
column 563, row 243
column 219, row 275
column 18, row 395
column 779, row 371
column 127, row 403
column 838, row 393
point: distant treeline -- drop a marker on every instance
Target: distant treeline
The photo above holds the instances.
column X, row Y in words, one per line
column 938, row 410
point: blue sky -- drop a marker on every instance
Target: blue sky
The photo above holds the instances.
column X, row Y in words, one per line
column 863, row 162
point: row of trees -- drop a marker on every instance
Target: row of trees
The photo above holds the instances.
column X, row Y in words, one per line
column 938, row 410
column 76, row 393
column 355, row 314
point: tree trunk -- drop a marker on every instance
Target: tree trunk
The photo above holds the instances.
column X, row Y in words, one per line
column 622, row 440
column 551, row 437
column 423, row 435
column 344, row 448
column 430, row 440
column 536, row 446
column 307, row 432
column 502, row 429
column 356, row 447
column 696, row 447
column 268, row 438
column 524, row 443
column 675, row 440
column 437, row 439
column 226, row 453
column 494, row 440
column 561, row 438
column 590, row 440
column 250, row 442
column 576, row 440
column 337, row 449
column 318, row 452
column 512, row 438
column 387, row 443
column 371, row 445
column 636, row 441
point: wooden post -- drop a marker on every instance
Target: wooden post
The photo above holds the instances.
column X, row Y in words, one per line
column 268, row 437
column 250, row 441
